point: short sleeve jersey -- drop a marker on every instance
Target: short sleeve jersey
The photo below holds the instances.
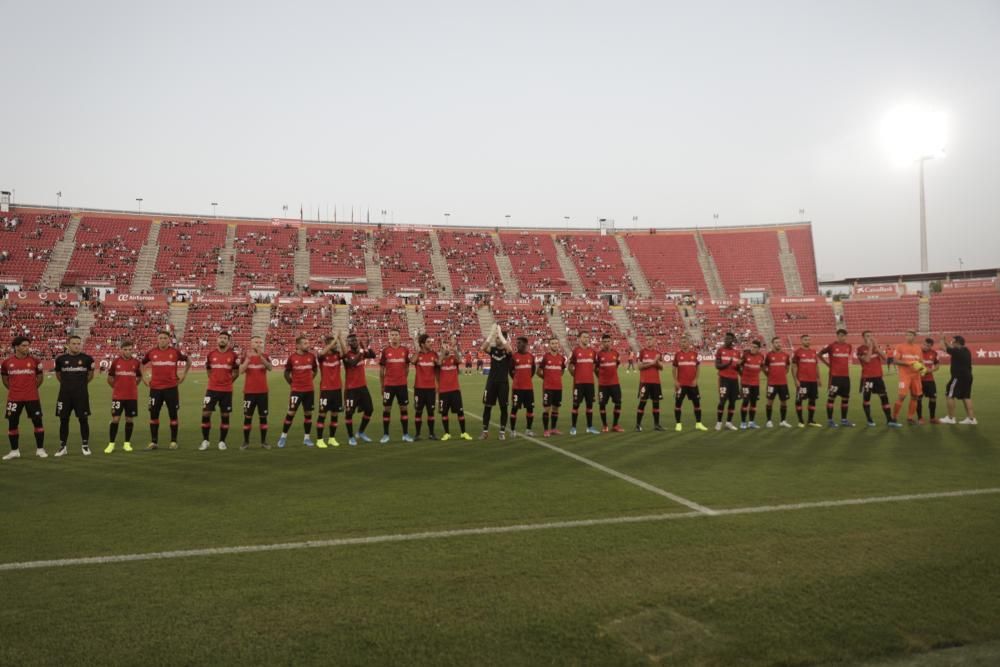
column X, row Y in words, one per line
column 732, row 355
column 329, row 371
column 840, row 359
column 750, row 365
column 608, row 362
column 73, row 370
column 354, row 368
column 164, row 366
column 649, row 375
column 930, row 358
column 553, row 366
column 448, row 374
column 873, row 367
column 124, row 373
column 426, row 367
column 302, row 367
column 806, row 364
column 583, row 359
column 256, row 374
column 776, row 364
column 523, row 370
column 686, row 364
column 220, row 366
column 21, row 374
column 396, row 362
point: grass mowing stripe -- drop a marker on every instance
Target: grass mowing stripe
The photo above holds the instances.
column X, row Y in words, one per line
column 485, row 530
column 611, row 471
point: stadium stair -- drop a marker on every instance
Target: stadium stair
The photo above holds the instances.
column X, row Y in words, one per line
column 55, row 270
column 789, row 266
column 569, row 271
column 510, row 286
column 227, row 263
column 440, row 264
column 625, row 326
column 178, row 319
column 414, row 321
column 142, row 280
column 635, row 272
column 302, row 259
column 486, row 320
column 924, row 316
column 341, row 318
column 764, row 321
column 710, row 271
column 261, row 320
column 84, row 321
column 558, row 326
column 373, row 271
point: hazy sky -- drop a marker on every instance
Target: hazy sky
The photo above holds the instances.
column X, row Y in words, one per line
column 666, row 111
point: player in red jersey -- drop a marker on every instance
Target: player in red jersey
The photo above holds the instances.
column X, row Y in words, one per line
column 425, row 364
column 124, row 377
column 776, row 364
column 357, row 396
column 395, row 368
column 650, row 388
column 751, row 364
column 551, row 371
column 22, row 375
column 727, row 360
column 300, row 374
column 608, row 385
column 837, row 356
column 163, row 381
column 631, row 361
column 583, row 368
column 254, row 368
column 871, row 357
column 331, row 395
column 449, row 393
column 927, row 383
column 805, row 363
column 468, row 362
column 222, row 366
column 686, row 366
column 522, row 371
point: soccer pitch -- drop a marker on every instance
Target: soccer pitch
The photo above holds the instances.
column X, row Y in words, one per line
column 715, row 548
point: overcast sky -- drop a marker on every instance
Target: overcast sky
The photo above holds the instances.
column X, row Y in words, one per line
column 665, row 111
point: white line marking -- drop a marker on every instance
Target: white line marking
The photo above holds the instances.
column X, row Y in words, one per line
column 620, row 475
column 486, row 530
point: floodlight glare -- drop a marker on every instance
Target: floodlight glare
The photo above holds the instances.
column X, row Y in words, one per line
column 911, row 132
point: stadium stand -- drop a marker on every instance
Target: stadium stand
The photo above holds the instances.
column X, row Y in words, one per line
column 188, row 253
column 442, row 320
column 206, row 320
column 47, row 324
column 26, row 242
column 670, row 261
column 976, row 316
column 115, row 322
column 599, row 262
column 800, row 241
column 656, row 326
column 531, row 321
column 405, row 257
column 591, row 316
column 716, row 320
column 746, row 259
column 337, row 252
column 881, row 316
column 533, row 258
column 791, row 320
column 372, row 323
column 471, row 258
column 310, row 317
column 265, row 255
column 106, row 250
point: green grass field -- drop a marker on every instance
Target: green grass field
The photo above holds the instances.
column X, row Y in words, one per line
column 817, row 584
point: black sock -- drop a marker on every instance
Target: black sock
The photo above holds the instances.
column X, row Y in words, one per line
column 113, row 435
column 63, row 431
column 85, row 432
column 128, row 431
column 224, row 427
column 487, row 413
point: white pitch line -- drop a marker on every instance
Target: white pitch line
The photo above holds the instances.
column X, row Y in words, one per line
column 610, row 471
column 486, row 530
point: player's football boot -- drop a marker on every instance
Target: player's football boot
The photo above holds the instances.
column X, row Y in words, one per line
column 465, row 436
column 731, row 426
column 282, row 439
column 832, row 424
column 363, row 437
column 321, row 443
column 752, row 425
column 446, row 437
column 502, row 435
column 384, row 439
column 110, row 448
column 815, row 425
column 353, row 442
column 700, row 427
column 485, row 435
column 62, row 452
column 173, row 445
column 847, row 423
column 407, row 437
column 604, row 429
column 971, row 421
column 203, row 446
column 333, row 442
column 617, row 428
column 872, row 424
column 222, row 446
column 718, row 426
column 785, row 424
column 431, row 436
column 307, row 441
column 947, row 420
column 151, row 446
column 85, row 450
column 769, row 424
column 14, row 454
column 530, row 433
column 41, row 453
column 572, row 430
column 894, row 424
column 743, row 426
column 679, row 428
column 935, row 421
column 127, row 447
column 555, row 432
column 592, row 430
column 658, row 427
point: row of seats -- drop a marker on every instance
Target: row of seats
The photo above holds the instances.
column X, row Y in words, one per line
column 458, row 319
column 206, row 320
column 106, row 249
column 265, row 255
column 189, row 252
column 471, row 258
column 126, row 321
column 598, row 261
column 534, row 261
column 26, row 242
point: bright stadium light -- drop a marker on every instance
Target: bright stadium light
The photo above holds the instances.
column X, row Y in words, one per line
column 911, row 133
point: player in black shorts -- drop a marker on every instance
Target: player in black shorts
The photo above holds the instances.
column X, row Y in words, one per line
column 960, row 384
column 498, row 381
column 74, row 371
column 22, row 375
column 356, row 395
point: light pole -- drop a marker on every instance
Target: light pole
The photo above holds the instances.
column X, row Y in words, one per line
column 802, row 214
column 447, row 218
column 508, row 220
column 59, row 199
column 635, row 222
column 715, row 216
column 923, row 215
column 284, row 210
column 566, row 218
column 214, row 213
column 139, row 202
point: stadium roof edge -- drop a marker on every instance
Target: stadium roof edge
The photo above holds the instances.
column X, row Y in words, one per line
column 964, row 274
column 554, row 228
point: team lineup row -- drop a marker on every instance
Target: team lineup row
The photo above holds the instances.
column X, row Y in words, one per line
column 509, row 385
